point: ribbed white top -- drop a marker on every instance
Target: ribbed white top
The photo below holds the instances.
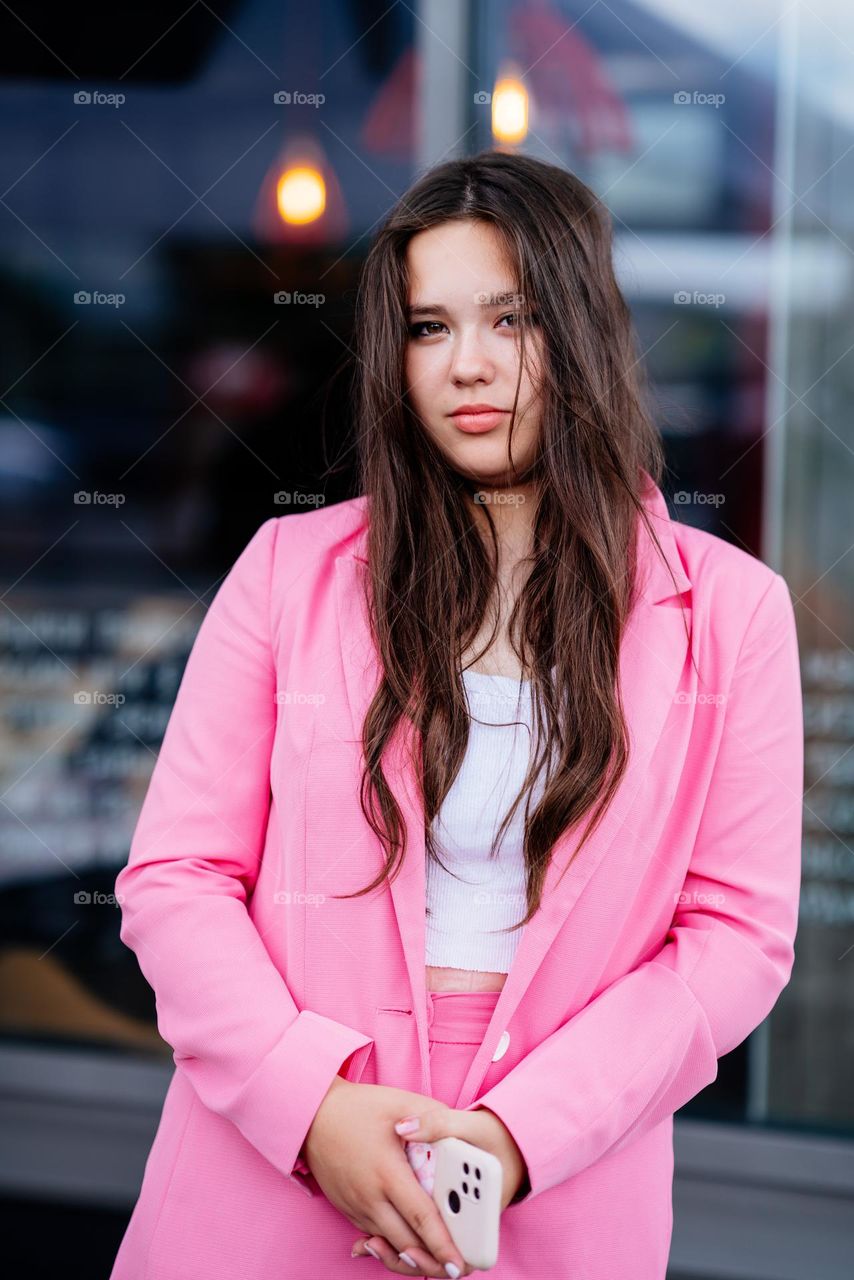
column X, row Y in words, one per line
column 467, row 913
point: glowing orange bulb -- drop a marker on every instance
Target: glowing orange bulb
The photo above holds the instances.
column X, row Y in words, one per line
column 510, row 110
column 301, row 195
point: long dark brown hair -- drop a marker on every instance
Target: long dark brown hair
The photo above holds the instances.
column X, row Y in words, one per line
column 431, row 573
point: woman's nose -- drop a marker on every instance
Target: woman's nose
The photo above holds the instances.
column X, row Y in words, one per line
column 470, row 361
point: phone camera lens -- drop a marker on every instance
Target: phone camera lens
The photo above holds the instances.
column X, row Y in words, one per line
column 453, row 1202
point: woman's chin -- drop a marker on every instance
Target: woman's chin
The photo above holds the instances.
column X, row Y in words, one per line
column 488, row 472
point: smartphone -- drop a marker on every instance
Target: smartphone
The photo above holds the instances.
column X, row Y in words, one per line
column 465, row 1183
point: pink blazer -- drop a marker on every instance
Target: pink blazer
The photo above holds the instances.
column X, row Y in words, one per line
column 663, row 946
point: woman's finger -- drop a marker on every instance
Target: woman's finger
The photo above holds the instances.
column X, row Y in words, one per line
column 424, row 1227
column 380, row 1248
column 428, row 1265
column 395, row 1233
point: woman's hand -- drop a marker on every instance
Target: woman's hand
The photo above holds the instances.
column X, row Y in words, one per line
column 480, row 1127
column 360, row 1165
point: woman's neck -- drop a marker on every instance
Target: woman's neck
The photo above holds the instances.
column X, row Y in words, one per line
column 511, row 512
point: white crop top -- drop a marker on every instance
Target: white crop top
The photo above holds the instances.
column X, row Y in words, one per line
column 468, row 910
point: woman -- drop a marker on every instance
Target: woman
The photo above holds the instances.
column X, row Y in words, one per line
column 479, row 807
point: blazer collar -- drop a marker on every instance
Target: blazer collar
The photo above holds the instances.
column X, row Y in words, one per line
column 652, row 657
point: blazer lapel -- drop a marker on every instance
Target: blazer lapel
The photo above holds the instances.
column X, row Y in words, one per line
column 362, row 675
column 652, row 658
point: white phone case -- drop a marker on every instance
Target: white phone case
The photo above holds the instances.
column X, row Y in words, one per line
column 465, row 1182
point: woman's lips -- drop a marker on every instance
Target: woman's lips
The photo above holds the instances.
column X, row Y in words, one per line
column 475, row 423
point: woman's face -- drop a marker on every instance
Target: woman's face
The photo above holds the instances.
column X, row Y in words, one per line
column 464, row 349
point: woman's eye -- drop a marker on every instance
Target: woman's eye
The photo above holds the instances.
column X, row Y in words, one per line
column 516, row 316
column 415, row 329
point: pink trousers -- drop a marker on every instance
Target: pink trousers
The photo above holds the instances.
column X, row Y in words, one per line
column 457, row 1022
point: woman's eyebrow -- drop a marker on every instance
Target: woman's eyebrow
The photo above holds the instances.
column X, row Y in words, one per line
column 429, row 309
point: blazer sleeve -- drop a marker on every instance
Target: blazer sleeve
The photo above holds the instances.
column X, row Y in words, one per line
column 650, row 1041
column 250, row 1054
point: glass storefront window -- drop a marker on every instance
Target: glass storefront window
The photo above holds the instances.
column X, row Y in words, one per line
column 166, row 336
column 719, row 138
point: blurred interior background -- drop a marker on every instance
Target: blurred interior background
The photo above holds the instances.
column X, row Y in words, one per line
column 186, row 199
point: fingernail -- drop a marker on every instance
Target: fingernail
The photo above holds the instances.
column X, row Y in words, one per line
column 409, row 1125
column 354, row 1253
column 404, row 1257
column 452, row 1271
column 373, row 1253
